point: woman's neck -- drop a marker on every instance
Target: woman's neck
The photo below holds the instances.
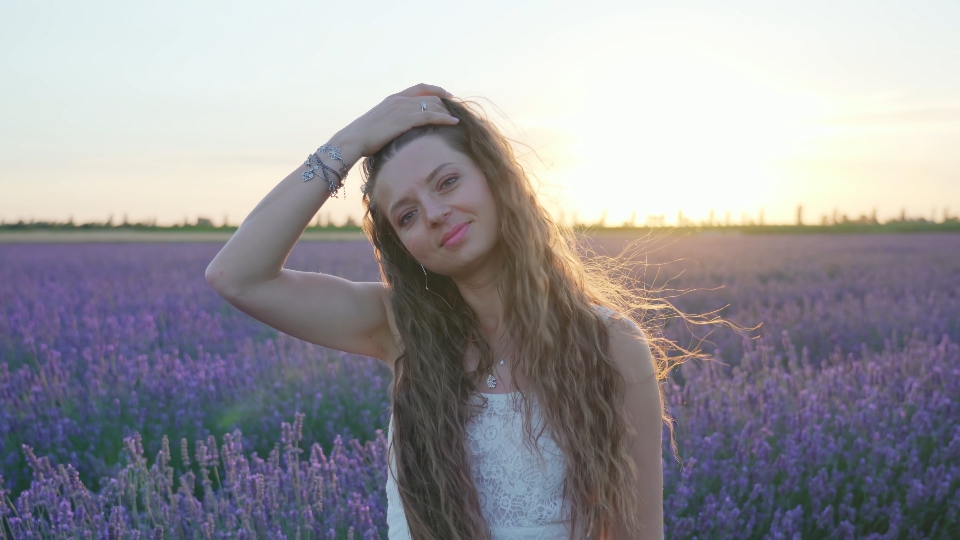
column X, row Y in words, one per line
column 481, row 291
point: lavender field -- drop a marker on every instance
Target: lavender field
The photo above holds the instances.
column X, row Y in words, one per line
column 135, row 402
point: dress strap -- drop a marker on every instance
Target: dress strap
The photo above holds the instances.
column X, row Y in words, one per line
column 605, row 311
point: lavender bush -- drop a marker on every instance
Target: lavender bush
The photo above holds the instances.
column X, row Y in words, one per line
column 101, row 341
column 839, row 421
column 865, row 446
column 282, row 496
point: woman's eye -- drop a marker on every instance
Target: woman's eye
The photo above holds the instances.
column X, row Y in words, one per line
column 449, row 181
column 405, row 218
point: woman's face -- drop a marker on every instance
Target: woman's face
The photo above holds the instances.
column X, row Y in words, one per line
column 441, row 207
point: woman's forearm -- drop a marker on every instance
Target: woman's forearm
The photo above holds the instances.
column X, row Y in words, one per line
column 262, row 243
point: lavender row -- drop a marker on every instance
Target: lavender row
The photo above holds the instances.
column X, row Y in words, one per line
column 285, row 495
column 864, row 447
column 829, row 292
column 135, row 298
column 91, row 339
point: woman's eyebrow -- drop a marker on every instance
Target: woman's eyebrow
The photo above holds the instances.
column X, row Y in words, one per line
column 406, row 198
column 436, row 171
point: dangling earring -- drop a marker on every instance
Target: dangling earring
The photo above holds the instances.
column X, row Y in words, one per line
column 424, row 277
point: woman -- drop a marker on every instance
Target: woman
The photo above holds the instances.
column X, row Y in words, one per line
column 524, row 404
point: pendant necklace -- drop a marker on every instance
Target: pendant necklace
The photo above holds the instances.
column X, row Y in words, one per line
column 491, row 380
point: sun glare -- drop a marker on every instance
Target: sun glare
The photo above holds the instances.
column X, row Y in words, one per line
column 675, row 129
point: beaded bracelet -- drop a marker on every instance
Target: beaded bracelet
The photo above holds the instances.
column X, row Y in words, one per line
column 314, row 163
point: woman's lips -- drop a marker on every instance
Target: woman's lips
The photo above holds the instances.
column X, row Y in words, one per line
column 454, row 235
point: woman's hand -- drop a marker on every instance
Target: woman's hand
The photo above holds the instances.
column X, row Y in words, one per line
column 395, row 115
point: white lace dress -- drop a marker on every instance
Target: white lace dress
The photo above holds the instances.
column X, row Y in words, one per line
column 521, row 497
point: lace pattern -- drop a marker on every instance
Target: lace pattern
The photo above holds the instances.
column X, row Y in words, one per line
column 521, row 491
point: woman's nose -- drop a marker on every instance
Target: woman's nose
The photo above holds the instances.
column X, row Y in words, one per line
column 435, row 211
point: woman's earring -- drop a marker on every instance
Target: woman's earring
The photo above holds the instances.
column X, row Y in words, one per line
column 424, row 277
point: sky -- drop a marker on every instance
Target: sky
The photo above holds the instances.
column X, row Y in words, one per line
column 622, row 111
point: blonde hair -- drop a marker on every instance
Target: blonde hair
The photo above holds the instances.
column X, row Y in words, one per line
column 550, row 294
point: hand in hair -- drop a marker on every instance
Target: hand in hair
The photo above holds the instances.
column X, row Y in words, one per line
column 395, row 115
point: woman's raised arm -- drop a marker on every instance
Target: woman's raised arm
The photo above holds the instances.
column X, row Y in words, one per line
column 329, row 311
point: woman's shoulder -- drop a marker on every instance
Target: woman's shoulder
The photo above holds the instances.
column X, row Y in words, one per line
column 628, row 346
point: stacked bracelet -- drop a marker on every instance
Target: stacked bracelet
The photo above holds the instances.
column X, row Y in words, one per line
column 334, row 153
column 314, row 163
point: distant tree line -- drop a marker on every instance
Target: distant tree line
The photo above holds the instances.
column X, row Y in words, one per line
column 200, row 224
column 838, row 222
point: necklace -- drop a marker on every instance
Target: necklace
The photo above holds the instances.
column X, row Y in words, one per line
column 491, row 380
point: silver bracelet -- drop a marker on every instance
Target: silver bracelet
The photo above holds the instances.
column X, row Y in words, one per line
column 334, row 153
column 314, row 163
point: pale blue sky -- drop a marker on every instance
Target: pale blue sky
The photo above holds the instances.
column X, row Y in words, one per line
column 178, row 109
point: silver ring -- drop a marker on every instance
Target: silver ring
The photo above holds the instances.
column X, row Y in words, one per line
column 423, row 106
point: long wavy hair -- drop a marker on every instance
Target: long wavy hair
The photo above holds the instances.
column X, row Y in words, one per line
column 549, row 293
